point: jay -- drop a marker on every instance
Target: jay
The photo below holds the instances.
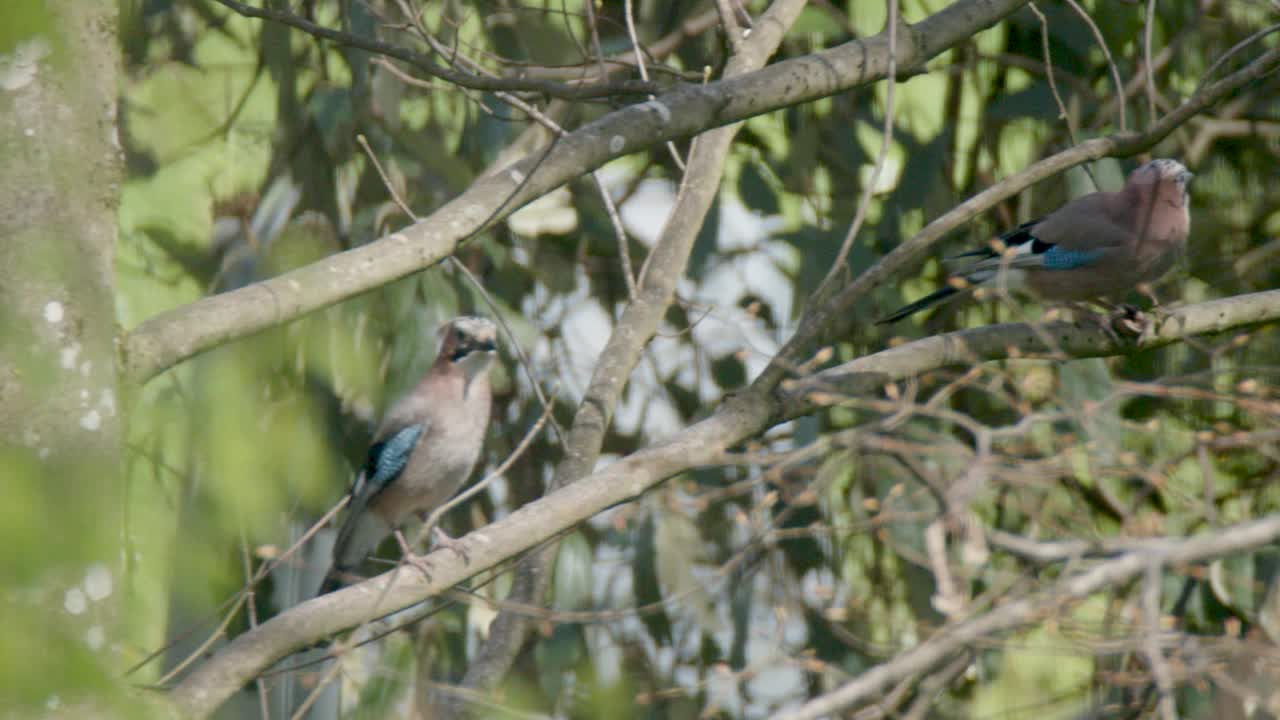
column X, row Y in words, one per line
column 424, row 449
column 1100, row 245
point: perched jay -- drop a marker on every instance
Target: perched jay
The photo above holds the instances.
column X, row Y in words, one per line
column 424, row 448
column 1100, row 245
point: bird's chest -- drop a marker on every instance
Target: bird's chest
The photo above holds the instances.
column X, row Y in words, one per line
column 451, row 448
column 1160, row 239
column 436, row 470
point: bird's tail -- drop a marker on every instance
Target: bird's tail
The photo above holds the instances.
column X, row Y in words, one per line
column 937, row 297
column 359, row 535
column 333, row 580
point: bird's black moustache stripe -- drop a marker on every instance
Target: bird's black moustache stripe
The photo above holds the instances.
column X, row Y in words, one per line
column 466, row 349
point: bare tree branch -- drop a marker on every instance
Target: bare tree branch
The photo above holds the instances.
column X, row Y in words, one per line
column 426, row 64
column 833, row 318
column 1011, row 615
column 662, row 270
column 173, row 336
column 1055, row 340
column 704, row 443
column 626, row 59
column 169, row 338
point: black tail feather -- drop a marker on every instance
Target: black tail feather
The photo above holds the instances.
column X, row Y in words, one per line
column 330, row 583
column 336, row 579
column 1020, row 234
column 1016, row 236
column 938, row 296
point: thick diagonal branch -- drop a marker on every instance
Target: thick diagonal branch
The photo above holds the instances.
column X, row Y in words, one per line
column 637, row 326
column 1054, row 340
column 832, row 317
column 173, row 336
column 703, row 443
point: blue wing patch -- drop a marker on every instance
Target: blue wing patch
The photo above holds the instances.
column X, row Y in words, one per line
column 388, row 458
column 1056, row 258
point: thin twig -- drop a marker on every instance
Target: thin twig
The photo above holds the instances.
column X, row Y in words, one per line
column 616, row 362
column 512, row 341
column 1148, row 67
column 834, row 316
column 487, row 701
column 623, row 60
column 434, row 518
column 251, row 604
column 886, row 705
column 619, row 232
column 1106, row 52
column 644, row 73
column 1151, row 582
column 1016, row 613
column 1048, row 69
column 886, row 140
column 590, row 7
column 427, row 65
column 741, row 416
column 239, row 597
column 1208, row 73
column 515, row 346
column 1053, row 87
column 935, row 684
column 329, row 676
column 204, row 646
column 611, row 207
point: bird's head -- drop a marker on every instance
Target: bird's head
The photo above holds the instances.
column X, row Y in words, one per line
column 1163, row 172
column 469, row 342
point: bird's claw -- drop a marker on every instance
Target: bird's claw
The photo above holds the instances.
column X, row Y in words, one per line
column 421, row 564
column 409, row 557
column 442, row 540
column 1128, row 320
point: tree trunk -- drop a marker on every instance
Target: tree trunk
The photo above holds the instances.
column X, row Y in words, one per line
column 60, row 423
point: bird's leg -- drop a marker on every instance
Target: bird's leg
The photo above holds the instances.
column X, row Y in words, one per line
column 1149, row 293
column 1117, row 320
column 1126, row 317
column 1082, row 313
column 411, row 558
column 441, row 539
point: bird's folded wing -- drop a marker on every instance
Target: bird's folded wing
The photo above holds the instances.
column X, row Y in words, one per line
column 1082, row 228
column 1062, row 241
column 1054, row 257
column 387, row 457
column 384, row 462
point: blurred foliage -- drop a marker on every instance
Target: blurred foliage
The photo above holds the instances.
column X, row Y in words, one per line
column 755, row 586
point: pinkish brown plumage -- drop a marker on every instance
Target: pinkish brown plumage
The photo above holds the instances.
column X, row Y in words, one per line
column 425, row 447
column 1101, row 245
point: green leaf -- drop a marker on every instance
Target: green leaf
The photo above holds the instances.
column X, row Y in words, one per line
column 572, row 581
